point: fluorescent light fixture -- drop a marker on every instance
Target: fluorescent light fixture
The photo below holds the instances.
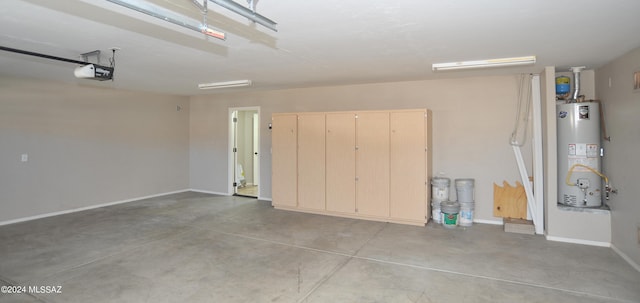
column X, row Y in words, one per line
column 484, row 63
column 226, row 84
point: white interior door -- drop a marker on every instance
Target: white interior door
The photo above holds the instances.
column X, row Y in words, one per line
column 244, row 143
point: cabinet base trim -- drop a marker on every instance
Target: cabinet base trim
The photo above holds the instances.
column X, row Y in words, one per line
column 352, row 216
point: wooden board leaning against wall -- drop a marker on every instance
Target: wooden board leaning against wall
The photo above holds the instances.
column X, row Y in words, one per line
column 372, row 165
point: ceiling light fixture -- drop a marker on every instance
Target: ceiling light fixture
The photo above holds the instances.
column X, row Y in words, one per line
column 484, row 63
column 226, row 84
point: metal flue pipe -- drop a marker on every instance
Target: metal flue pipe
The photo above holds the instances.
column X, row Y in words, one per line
column 576, row 81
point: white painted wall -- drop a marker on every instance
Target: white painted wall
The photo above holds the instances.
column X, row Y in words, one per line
column 87, row 146
column 473, row 120
column 621, row 164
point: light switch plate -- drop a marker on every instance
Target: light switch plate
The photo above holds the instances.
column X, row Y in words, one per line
column 24, row 157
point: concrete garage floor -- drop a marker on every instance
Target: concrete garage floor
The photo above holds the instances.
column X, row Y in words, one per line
column 194, row 247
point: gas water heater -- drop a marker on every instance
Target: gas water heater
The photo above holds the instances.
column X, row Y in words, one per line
column 579, row 157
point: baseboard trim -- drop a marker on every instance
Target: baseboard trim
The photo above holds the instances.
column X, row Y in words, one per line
column 578, row 241
column 208, row 192
column 224, row 194
column 68, row 211
column 351, row 215
column 492, row 222
column 626, row 258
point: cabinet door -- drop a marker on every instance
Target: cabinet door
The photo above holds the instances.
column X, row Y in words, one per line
column 407, row 177
column 429, row 142
column 311, row 161
column 284, row 135
column 341, row 162
column 372, row 164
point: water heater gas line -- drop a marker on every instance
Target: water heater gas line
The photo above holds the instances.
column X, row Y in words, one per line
column 584, row 185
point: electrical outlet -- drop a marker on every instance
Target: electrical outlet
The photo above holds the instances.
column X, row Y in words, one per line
column 24, row 157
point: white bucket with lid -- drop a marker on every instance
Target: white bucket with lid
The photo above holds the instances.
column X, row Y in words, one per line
column 450, row 210
column 436, row 215
column 464, row 190
column 440, row 189
column 466, row 214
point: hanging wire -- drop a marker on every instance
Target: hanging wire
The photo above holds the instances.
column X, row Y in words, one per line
column 519, row 134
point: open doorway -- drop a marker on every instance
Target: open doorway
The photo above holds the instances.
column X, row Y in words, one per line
column 244, row 155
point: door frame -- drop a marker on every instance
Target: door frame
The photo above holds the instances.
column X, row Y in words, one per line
column 256, row 150
column 230, row 160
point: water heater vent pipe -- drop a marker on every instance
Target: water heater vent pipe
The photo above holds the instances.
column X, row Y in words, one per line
column 576, row 81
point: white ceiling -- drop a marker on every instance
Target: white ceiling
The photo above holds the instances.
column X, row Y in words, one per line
column 319, row 42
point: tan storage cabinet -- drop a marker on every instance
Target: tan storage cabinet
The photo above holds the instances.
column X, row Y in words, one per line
column 311, row 161
column 368, row 164
column 408, row 154
column 372, row 164
column 284, row 149
column 341, row 162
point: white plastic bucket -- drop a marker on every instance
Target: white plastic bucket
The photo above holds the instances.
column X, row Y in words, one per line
column 450, row 211
column 436, row 214
column 466, row 214
column 464, row 190
column 440, row 189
